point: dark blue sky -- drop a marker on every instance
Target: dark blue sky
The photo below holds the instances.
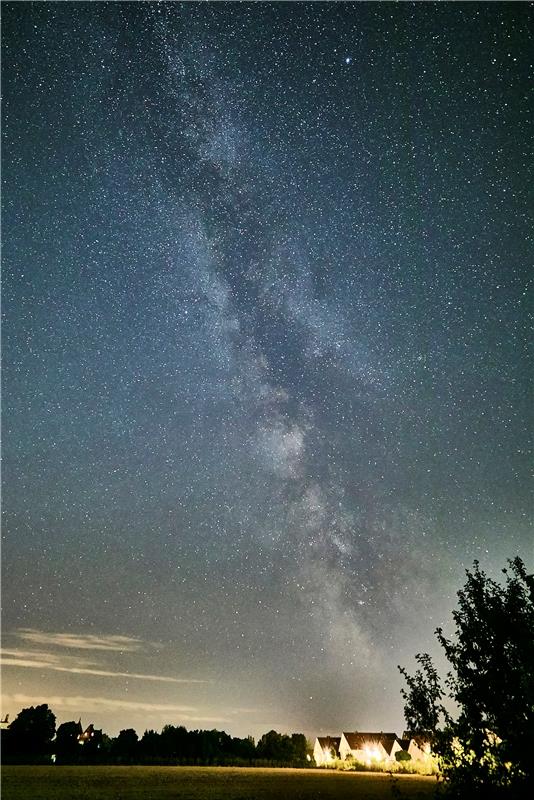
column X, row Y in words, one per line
column 266, row 380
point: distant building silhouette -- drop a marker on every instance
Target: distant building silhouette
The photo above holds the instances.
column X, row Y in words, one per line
column 86, row 735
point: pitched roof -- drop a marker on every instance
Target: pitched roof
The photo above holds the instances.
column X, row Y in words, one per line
column 356, row 740
column 329, row 741
column 424, row 736
column 421, row 739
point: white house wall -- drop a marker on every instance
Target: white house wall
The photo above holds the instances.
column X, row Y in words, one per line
column 318, row 754
column 344, row 749
column 416, row 752
column 362, row 755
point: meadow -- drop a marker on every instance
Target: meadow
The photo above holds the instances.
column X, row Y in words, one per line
column 206, row 783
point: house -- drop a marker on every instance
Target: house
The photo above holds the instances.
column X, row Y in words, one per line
column 418, row 745
column 369, row 747
column 326, row 749
column 88, row 734
column 419, row 748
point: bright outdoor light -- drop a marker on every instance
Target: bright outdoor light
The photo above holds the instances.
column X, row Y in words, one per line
column 372, row 753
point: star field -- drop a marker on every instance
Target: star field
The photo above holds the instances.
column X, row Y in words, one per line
column 266, row 373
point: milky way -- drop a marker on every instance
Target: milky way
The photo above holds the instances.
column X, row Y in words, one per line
column 266, row 379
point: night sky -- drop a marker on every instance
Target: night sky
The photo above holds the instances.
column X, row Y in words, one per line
column 266, row 375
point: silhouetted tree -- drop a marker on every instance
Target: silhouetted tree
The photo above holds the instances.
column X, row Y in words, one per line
column 279, row 747
column 66, row 745
column 150, row 747
column 243, row 749
column 96, row 749
column 175, row 743
column 299, row 746
column 125, row 747
column 29, row 737
column 270, row 746
column 423, row 708
column 486, row 750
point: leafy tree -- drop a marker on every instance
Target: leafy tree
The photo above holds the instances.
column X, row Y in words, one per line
column 29, row 737
column 243, row 749
column 299, row 745
column 66, row 745
column 486, row 750
column 423, row 709
column 125, row 746
column 282, row 748
column 273, row 747
column 175, row 743
column 150, row 746
column 96, row 748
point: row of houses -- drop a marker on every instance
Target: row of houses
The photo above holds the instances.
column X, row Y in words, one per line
column 369, row 748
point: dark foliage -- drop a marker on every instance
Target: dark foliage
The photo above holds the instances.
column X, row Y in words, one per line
column 66, row 746
column 275, row 746
column 149, row 746
column 28, row 740
column 124, row 748
column 423, row 708
column 95, row 750
column 486, row 749
column 177, row 745
column 174, row 745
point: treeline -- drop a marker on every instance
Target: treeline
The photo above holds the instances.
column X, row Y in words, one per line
column 32, row 738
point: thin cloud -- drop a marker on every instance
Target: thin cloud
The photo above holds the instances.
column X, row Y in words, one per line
column 239, row 710
column 50, row 658
column 81, row 642
column 43, row 663
column 80, row 704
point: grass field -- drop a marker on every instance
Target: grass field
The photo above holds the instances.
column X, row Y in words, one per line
column 206, row 783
